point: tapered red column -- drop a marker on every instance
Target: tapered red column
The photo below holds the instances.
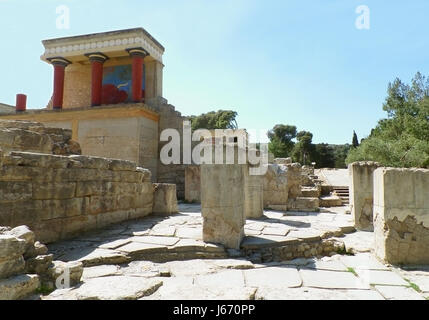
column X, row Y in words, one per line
column 97, row 60
column 60, row 65
column 138, row 55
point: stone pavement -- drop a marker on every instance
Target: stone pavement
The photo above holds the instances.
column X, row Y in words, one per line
column 334, row 177
column 164, row 258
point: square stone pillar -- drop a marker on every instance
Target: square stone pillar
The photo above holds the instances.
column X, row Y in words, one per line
column 222, row 204
column 401, row 215
column 222, row 201
column 253, row 195
column 361, row 193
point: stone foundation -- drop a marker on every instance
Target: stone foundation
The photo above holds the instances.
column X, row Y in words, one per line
column 401, row 215
column 61, row 196
column 361, row 193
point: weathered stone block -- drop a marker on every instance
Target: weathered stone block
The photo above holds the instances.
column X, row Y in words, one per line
column 401, row 215
column 361, row 193
column 11, row 266
column 253, row 195
column 18, row 287
column 164, row 198
column 58, row 190
column 193, row 184
column 11, row 246
column 222, row 201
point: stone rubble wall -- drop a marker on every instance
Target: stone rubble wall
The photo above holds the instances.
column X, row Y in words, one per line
column 401, row 215
column 35, row 137
column 25, row 264
column 59, row 197
column 361, row 193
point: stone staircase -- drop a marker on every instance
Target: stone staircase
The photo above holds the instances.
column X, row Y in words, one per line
column 343, row 193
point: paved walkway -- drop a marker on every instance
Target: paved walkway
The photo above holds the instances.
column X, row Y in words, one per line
column 334, row 177
column 159, row 258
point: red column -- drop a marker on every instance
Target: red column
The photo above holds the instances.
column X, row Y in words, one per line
column 60, row 65
column 97, row 61
column 21, row 102
column 138, row 55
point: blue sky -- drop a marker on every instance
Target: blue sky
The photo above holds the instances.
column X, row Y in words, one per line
column 275, row 61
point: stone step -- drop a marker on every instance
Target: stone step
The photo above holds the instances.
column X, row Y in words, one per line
column 310, row 192
column 330, row 201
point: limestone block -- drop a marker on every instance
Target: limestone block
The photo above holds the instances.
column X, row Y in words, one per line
column 15, row 191
column 90, row 162
column 303, row 204
column 124, row 165
column 24, row 233
column 193, row 184
column 37, row 249
column 12, row 265
column 18, row 287
column 73, row 269
column 222, row 202
column 275, row 186
column 361, row 193
column 282, row 161
column 253, row 195
column 164, row 198
column 58, row 190
column 11, row 246
column 39, row 264
column 401, row 215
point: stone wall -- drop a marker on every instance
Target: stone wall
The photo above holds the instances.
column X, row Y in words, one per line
column 169, row 119
column 401, row 215
column 282, row 186
column 61, row 196
column 33, row 136
column 25, row 265
column 361, row 193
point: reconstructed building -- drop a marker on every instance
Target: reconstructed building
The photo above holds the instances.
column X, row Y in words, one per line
column 108, row 91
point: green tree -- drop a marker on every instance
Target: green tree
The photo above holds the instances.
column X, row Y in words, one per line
column 402, row 139
column 281, row 140
column 324, row 156
column 355, row 141
column 221, row 119
column 304, row 148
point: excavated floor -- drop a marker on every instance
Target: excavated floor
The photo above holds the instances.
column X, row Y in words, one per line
column 179, row 237
column 165, row 258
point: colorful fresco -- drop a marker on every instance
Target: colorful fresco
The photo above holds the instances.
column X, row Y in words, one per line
column 117, row 84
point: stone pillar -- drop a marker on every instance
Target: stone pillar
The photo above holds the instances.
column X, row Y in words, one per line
column 60, row 65
column 193, row 183
column 253, row 195
column 138, row 55
column 361, row 193
column 401, row 215
column 97, row 60
column 222, row 203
